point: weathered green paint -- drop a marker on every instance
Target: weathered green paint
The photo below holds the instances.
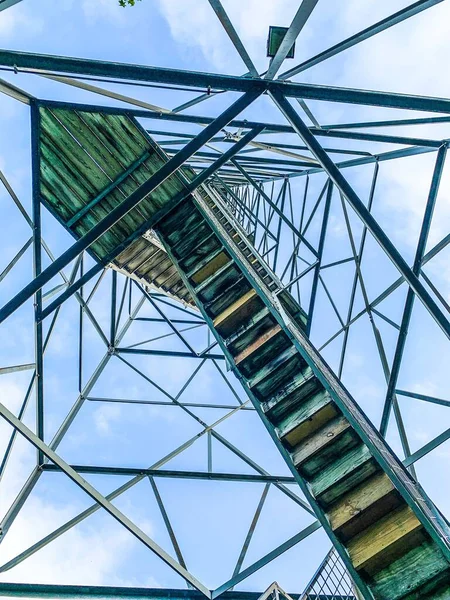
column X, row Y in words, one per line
column 81, row 154
column 288, row 392
column 411, row 571
column 84, row 164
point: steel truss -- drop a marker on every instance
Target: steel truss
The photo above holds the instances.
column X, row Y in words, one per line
column 282, row 186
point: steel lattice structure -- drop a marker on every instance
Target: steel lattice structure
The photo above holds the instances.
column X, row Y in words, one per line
column 286, row 194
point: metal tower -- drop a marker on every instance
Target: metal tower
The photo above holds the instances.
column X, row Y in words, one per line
column 221, row 251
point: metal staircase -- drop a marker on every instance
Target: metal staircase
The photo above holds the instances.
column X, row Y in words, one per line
column 389, row 534
column 391, row 538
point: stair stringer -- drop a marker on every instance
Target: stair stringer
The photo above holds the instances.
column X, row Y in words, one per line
column 410, row 490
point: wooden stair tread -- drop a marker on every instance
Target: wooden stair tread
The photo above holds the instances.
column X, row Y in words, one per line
column 317, row 410
column 343, row 473
column 227, row 294
column 213, row 276
column 363, row 505
column 256, row 345
column 273, row 365
column 208, row 246
column 393, row 535
column 364, row 509
column 190, row 242
column 208, row 266
column 413, row 575
column 320, row 440
column 260, row 321
column 234, row 308
column 291, row 394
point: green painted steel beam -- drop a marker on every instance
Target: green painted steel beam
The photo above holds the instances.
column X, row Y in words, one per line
column 4, row 4
column 175, row 77
column 168, row 474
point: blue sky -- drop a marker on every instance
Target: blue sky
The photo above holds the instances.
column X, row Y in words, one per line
column 211, row 519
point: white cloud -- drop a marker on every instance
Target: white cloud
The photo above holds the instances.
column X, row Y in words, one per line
column 16, row 18
column 90, row 556
column 194, row 24
column 105, row 416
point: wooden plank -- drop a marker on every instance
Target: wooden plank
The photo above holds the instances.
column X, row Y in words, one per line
column 131, row 256
column 386, row 540
column 84, row 170
column 343, row 474
column 434, row 590
column 321, row 440
column 199, row 253
column 108, row 161
column 306, row 419
column 250, row 331
column 66, row 189
column 271, row 367
column 184, row 226
column 256, row 345
column 362, row 506
column 83, row 165
column 278, row 378
column 408, row 575
column 172, row 221
column 230, row 318
column 290, row 396
column 218, row 282
column 190, row 242
column 264, row 353
column 219, row 260
column 228, row 296
column 110, row 132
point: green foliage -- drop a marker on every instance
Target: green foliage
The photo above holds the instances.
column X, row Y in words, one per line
column 127, row 2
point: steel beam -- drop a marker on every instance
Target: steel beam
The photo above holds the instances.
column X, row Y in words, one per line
column 173, row 77
column 73, row 592
column 168, row 474
column 217, row 7
column 409, row 303
column 241, row 123
column 8, row 3
column 100, row 499
column 359, row 207
column 367, row 33
column 298, row 22
column 129, row 203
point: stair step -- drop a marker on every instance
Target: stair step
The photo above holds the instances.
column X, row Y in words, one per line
column 262, row 350
column 286, row 400
column 365, row 511
column 316, row 410
column 195, row 238
column 250, row 331
column 256, row 345
column 208, row 266
column 387, row 539
column 273, row 374
column 328, row 441
column 228, row 296
column 364, row 505
column 414, row 576
column 185, row 226
column 209, row 245
column 217, row 283
column 343, row 474
column 178, row 215
column 237, row 313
